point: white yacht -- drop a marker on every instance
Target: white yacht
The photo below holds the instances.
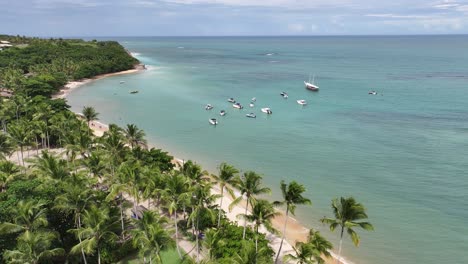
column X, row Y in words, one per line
column 302, row 102
column 208, row 107
column 237, row 105
column 213, row 121
column 251, row 115
column 222, row 113
column 311, row 86
column 267, row 110
column 231, row 100
column 251, row 105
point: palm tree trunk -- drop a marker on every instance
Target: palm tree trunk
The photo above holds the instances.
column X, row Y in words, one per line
column 79, row 238
column 339, row 248
column 122, row 220
column 220, row 206
column 245, row 219
column 99, row 255
column 22, row 159
column 177, row 234
column 284, row 234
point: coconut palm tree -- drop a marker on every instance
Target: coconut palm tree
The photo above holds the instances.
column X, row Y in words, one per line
column 225, row 179
column 33, row 247
column 134, row 136
column 249, row 186
column 150, row 236
column 21, row 136
column 262, row 213
column 303, row 254
column 8, row 170
column 27, row 215
column 75, row 199
column 201, row 201
column 98, row 226
column 6, row 146
column 320, row 246
column 250, row 255
column 113, row 146
column 292, row 196
column 89, row 114
column 95, row 165
column 175, row 194
column 49, row 166
column 348, row 214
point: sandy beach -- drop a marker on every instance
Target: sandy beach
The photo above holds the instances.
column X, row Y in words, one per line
column 70, row 86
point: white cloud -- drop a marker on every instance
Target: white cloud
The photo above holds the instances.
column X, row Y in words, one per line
column 267, row 3
column 296, row 28
column 397, row 16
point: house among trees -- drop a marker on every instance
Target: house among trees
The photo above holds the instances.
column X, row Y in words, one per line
column 5, row 44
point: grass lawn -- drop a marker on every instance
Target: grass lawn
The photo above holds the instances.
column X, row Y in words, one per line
column 168, row 257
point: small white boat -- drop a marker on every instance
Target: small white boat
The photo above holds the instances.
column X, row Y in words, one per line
column 251, row 105
column 213, row 121
column 251, row 115
column 222, row 113
column 311, row 86
column 121, row 82
column 284, row 94
column 208, row 107
column 237, row 105
column 231, row 100
column 254, row 99
column 134, row 92
column 267, row 110
column 302, row 102
column 373, row 93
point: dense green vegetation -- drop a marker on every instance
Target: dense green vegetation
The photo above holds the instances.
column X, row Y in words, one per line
column 69, row 196
column 41, row 67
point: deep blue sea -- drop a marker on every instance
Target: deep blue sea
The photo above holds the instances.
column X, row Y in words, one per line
column 403, row 153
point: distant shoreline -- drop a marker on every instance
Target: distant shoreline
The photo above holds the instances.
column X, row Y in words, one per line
column 72, row 85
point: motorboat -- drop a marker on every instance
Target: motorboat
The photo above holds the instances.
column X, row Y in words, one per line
column 267, row 110
column 253, row 99
column 302, row 102
column 284, row 94
column 231, row 100
column 222, row 113
column 208, row 107
column 251, row 115
column 373, row 92
column 134, row 92
column 237, row 105
column 311, row 86
column 213, row 121
column 251, row 105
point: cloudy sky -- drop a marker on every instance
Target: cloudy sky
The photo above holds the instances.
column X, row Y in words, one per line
column 231, row 17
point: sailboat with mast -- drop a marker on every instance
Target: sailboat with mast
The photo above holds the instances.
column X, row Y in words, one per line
column 311, row 86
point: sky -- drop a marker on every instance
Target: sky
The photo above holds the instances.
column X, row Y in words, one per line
column 87, row 18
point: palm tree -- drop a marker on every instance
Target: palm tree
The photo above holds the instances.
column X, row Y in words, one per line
column 6, row 146
column 320, row 246
column 8, row 170
column 28, row 215
column 201, row 200
column 250, row 255
column 263, row 213
column 347, row 213
column 89, row 114
column 75, row 199
column 33, row 247
column 135, row 136
column 21, row 136
column 249, row 186
column 303, row 254
column 150, row 237
column 112, row 144
column 175, row 194
column 99, row 226
column 292, row 196
column 226, row 179
column 95, row 165
column 49, row 166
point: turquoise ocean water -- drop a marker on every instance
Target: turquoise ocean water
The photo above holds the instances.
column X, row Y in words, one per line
column 403, row 153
